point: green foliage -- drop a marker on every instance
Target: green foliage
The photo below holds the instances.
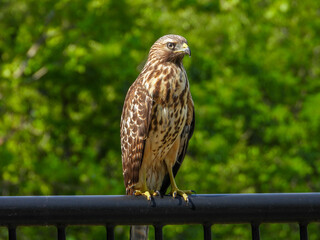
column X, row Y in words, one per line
column 65, row 67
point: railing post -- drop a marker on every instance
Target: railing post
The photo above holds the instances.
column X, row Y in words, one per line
column 255, row 229
column 12, row 232
column 158, row 232
column 207, row 231
column 61, row 232
column 303, row 231
column 110, row 232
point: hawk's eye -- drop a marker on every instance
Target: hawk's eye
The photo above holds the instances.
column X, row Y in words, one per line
column 171, row 45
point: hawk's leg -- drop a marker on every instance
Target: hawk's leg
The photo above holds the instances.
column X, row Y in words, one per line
column 175, row 190
column 170, row 160
column 142, row 186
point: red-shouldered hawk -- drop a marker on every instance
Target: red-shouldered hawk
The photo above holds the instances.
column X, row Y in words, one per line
column 157, row 122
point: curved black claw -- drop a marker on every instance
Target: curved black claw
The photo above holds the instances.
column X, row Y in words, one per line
column 174, row 194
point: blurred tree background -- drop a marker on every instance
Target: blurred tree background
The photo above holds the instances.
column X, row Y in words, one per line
column 66, row 65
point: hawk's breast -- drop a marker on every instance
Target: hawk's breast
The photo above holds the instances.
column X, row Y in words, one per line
column 169, row 115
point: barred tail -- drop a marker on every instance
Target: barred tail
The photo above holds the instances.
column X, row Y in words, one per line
column 139, row 232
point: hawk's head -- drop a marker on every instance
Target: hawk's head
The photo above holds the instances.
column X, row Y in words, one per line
column 170, row 48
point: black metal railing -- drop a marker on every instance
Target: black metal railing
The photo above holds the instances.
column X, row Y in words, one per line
column 110, row 211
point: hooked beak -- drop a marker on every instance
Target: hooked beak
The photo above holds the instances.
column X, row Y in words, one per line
column 185, row 49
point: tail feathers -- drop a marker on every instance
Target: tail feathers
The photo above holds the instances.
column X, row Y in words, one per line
column 139, row 232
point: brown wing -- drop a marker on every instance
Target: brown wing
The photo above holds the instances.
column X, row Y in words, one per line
column 185, row 136
column 134, row 128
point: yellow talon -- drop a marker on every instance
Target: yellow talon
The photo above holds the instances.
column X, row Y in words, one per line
column 156, row 193
column 182, row 193
column 185, row 197
column 143, row 193
column 174, row 189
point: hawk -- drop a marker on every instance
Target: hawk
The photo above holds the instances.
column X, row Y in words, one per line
column 157, row 121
